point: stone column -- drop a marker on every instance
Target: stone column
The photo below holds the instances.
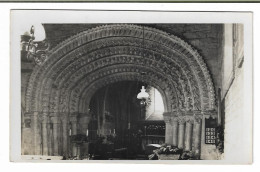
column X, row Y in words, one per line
column 45, row 121
column 84, row 121
column 65, row 135
column 36, row 131
column 197, row 135
column 188, row 135
column 73, row 120
column 174, row 122
column 168, row 128
column 50, row 138
column 181, row 133
column 56, row 123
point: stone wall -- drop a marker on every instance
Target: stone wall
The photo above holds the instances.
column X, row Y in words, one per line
column 233, row 99
column 234, row 117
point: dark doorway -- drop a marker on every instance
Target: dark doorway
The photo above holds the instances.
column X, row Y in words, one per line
column 118, row 128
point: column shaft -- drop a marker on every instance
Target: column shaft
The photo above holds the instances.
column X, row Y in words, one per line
column 37, row 137
column 65, row 137
column 56, row 132
column 175, row 133
column 55, row 139
column 197, row 137
column 188, row 136
column 181, row 135
column 44, row 135
column 74, row 132
column 168, row 134
column 50, row 139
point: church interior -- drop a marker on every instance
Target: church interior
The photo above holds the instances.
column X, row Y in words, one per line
column 130, row 91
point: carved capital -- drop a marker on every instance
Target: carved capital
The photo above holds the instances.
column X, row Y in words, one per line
column 73, row 118
column 174, row 120
column 181, row 120
column 44, row 118
column 167, row 117
column 55, row 120
column 64, row 117
column 198, row 118
column 189, row 119
column 45, row 109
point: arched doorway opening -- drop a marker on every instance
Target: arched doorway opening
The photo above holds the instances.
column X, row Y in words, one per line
column 120, row 123
column 59, row 91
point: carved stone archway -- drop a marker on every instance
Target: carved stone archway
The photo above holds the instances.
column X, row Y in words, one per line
column 62, row 87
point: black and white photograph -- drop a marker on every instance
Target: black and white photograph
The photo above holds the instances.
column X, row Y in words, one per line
column 132, row 85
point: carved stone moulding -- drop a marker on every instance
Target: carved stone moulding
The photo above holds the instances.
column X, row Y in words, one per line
column 136, row 70
column 114, row 69
column 122, row 59
column 89, row 89
column 187, row 60
column 189, row 116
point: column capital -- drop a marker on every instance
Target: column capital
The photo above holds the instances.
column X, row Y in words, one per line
column 167, row 117
column 64, row 117
column 174, row 119
column 181, row 120
column 55, row 119
column 45, row 109
column 198, row 118
column 44, row 117
column 73, row 118
column 189, row 119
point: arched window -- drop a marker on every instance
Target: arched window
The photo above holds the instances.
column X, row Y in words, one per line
column 155, row 106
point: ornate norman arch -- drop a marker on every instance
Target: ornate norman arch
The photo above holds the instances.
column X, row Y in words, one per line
column 80, row 65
